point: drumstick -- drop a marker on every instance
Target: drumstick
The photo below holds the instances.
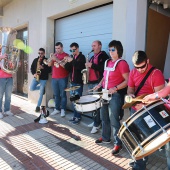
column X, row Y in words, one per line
column 90, row 90
column 99, row 92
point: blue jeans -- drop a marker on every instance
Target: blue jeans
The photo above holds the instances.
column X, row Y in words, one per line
column 110, row 113
column 6, row 85
column 58, row 86
column 35, row 85
column 167, row 150
column 96, row 118
column 75, row 92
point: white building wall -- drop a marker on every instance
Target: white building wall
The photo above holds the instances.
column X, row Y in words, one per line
column 129, row 22
column 129, row 25
column 39, row 16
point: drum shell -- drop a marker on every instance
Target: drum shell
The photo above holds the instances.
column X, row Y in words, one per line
column 85, row 106
column 143, row 129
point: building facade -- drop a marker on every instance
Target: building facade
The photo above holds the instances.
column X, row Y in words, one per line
column 44, row 22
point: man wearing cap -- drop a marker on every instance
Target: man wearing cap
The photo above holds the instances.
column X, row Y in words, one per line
column 143, row 79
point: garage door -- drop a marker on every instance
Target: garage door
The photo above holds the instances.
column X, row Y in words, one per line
column 85, row 27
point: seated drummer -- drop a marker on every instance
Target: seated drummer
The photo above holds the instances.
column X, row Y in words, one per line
column 137, row 87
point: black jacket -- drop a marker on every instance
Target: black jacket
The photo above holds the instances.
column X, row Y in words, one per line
column 44, row 72
column 100, row 66
column 79, row 65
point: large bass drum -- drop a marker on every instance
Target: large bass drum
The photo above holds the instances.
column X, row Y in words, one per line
column 146, row 130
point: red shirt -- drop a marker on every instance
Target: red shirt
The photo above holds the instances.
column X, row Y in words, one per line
column 60, row 72
column 4, row 74
column 94, row 75
column 115, row 77
column 155, row 79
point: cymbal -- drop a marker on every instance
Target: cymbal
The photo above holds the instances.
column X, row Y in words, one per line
column 72, row 88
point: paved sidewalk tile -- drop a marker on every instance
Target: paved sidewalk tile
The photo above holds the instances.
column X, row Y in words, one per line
column 57, row 145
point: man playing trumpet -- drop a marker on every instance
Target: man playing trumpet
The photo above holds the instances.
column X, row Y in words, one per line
column 59, row 79
column 40, row 72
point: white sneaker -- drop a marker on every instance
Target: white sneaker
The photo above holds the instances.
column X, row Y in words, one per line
column 55, row 112
column 91, row 124
column 1, row 115
column 63, row 113
column 9, row 113
column 94, row 130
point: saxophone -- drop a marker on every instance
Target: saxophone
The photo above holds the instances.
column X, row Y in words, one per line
column 85, row 71
column 38, row 70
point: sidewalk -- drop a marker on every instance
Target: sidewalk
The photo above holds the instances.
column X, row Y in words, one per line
column 59, row 145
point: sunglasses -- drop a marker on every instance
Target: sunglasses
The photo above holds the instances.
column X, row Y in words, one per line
column 40, row 53
column 73, row 50
column 141, row 66
column 112, row 49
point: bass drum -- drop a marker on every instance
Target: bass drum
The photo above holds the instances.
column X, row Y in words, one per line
column 146, row 130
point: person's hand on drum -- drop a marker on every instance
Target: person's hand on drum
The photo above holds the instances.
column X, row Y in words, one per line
column 96, row 87
column 112, row 90
column 149, row 98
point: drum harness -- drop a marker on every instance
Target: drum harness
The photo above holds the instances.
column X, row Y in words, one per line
column 109, row 69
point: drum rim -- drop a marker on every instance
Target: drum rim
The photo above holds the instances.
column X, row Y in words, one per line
column 88, row 102
column 137, row 149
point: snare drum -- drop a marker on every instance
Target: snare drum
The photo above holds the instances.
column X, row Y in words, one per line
column 88, row 103
column 146, row 130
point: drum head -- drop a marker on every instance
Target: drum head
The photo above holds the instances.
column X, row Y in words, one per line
column 88, row 99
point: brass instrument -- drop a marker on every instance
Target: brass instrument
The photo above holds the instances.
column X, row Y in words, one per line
column 38, row 70
column 60, row 62
column 57, row 63
column 11, row 62
column 85, row 71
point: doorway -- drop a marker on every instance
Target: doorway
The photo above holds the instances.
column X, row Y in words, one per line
column 22, row 73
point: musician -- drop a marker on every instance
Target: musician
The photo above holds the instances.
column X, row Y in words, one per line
column 75, row 65
column 59, row 79
column 115, row 80
column 153, row 83
column 156, row 96
column 40, row 78
column 96, row 68
column 6, row 85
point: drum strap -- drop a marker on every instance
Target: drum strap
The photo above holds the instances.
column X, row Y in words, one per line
column 143, row 81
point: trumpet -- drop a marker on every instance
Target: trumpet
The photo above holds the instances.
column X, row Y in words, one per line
column 46, row 61
column 60, row 62
column 85, row 71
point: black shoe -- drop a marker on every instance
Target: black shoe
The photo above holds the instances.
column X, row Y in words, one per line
column 100, row 140
column 116, row 149
column 131, row 163
column 37, row 119
column 37, row 109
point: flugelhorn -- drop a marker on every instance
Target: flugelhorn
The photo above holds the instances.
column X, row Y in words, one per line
column 11, row 62
column 85, row 71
